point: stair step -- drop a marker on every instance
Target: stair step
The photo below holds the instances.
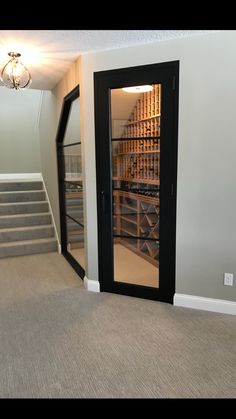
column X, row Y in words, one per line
column 73, row 228
column 26, row 233
column 23, row 207
column 79, row 218
column 74, row 233
column 76, row 246
column 74, row 210
column 72, row 201
column 21, row 196
column 76, row 238
column 28, row 247
column 21, row 220
column 20, row 185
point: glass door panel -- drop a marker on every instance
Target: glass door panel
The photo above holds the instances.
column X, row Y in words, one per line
column 136, row 142
column 73, row 205
column 72, row 132
column 72, row 162
column 75, row 240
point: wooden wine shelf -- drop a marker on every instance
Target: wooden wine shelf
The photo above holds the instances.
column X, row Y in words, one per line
column 129, row 220
column 136, row 197
column 143, row 120
column 137, row 152
column 129, row 207
column 128, row 232
column 142, row 222
column 138, row 180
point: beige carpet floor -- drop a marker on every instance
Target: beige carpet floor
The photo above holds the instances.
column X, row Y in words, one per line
column 59, row 340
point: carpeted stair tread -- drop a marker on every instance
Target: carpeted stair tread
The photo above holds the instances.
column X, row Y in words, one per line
column 28, row 242
column 35, row 214
column 5, row 230
column 28, row 247
column 21, row 185
column 23, row 207
column 2, row 204
column 21, row 220
column 21, row 196
column 21, row 192
column 26, row 233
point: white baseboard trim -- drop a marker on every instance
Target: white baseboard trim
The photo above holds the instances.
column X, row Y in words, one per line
column 51, row 212
column 21, row 176
column 91, row 285
column 203, row 303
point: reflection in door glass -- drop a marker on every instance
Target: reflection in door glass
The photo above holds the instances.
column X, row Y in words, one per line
column 73, row 182
column 72, row 133
column 136, row 183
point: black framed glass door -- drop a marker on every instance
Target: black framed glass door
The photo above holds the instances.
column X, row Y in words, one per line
column 71, row 183
column 136, row 140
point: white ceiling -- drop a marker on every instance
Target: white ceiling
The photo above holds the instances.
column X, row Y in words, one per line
column 50, row 53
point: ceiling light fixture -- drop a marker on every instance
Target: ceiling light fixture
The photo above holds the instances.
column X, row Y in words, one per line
column 138, row 89
column 14, row 74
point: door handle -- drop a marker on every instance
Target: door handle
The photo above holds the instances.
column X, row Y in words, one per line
column 103, row 201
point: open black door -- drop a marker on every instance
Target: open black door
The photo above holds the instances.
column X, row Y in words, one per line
column 136, row 122
column 70, row 181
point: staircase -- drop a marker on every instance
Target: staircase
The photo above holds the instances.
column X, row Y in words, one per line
column 25, row 221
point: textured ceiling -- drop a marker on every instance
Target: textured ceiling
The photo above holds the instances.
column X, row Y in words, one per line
column 50, row 53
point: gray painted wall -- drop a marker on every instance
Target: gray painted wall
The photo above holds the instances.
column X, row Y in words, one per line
column 19, row 135
column 206, row 201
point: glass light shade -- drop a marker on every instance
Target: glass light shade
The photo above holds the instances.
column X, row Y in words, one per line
column 14, row 74
column 138, row 89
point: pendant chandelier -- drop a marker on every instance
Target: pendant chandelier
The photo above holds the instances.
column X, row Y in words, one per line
column 14, row 74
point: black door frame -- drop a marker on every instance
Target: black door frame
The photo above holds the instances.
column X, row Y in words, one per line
column 167, row 74
column 65, row 112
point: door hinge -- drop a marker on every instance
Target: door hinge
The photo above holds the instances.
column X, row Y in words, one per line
column 174, row 83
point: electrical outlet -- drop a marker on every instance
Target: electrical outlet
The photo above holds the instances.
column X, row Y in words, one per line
column 228, row 279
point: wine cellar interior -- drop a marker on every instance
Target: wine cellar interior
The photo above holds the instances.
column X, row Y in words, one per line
column 136, row 182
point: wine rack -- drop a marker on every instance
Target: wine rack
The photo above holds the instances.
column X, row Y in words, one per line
column 134, row 216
